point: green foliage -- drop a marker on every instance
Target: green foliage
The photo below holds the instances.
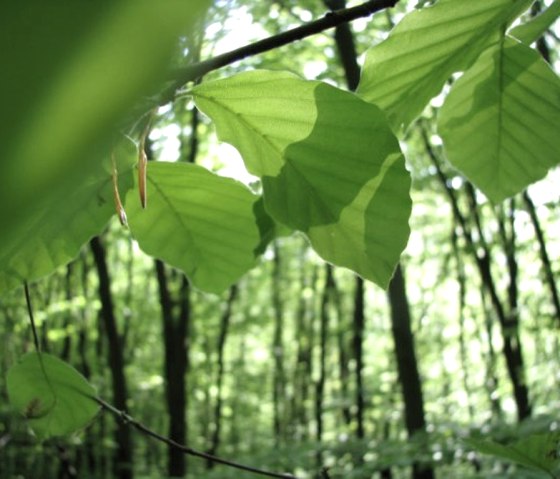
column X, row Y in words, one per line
column 54, row 398
column 304, row 137
column 81, row 214
column 538, row 452
column 499, row 121
column 329, row 165
column 404, row 72
column 532, row 30
column 197, row 221
column 73, row 71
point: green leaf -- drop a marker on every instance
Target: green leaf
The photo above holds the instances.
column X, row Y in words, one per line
column 538, row 451
column 499, row 123
column 532, row 30
column 404, row 72
column 373, row 230
column 322, row 153
column 197, row 221
column 71, row 72
column 54, row 397
column 59, row 227
column 268, row 228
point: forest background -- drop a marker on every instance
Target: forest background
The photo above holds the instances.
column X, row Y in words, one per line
column 299, row 366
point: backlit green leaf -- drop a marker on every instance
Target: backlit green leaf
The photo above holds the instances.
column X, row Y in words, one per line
column 71, row 72
column 322, row 154
column 404, row 72
column 54, row 397
column 373, row 229
column 60, row 226
column 197, row 221
column 500, row 121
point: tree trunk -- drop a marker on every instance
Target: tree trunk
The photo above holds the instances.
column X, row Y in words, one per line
column 176, row 337
column 123, row 466
column 323, row 336
column 409, row 376
column 279, row 379
column 481, row 254
column 304, row 339
column 545, row 258
column 224, row 329
column 509, row 323
column 359, row 321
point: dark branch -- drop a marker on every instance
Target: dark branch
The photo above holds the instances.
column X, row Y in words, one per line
column 330, row 20
column 123, row 416
column 31, row 318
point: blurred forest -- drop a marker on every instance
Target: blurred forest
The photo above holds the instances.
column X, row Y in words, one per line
column 302, row 367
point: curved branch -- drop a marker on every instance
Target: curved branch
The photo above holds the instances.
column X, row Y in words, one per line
column 123, row 416
column 330, row 20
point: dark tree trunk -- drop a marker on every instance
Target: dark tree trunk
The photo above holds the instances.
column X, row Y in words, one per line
column 323, row 336
column 344, row 355
column 304, row 339
column 279, row 379
column 481, row 254
column 409, row 376
column 176, row 337
column 509, row 323
column 359, row 322
column 67, row 344
column 545, row 258
column 224, row 329
column 344, row 39
column 123, row 438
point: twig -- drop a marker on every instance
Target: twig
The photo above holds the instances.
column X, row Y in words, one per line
column 330, row 20
column 31, row 318
column 123, row 416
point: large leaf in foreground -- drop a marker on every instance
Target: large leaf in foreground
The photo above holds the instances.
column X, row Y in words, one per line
column 410, row 67
column 71, row 72
column 500, row 121
column 54, row 397
column 59, row 227
column 318, row 151
column 374, row 228
column 197, row 221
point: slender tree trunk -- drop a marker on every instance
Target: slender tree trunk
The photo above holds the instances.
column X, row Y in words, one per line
column 346, row 47
column 359, row 322
column 123, row 438
column 462, row 280
column 407, row 365
column 279, row 379
column 304, row 339
column 509, row 324
column 323, row 336
column 175, row 335
column 344, row 355
column 224, row 329
column 545, row 258
column 67, row 344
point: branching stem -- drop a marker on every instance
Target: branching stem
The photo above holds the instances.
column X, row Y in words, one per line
column 123, row 416
column 31, row 318
column 330, row 20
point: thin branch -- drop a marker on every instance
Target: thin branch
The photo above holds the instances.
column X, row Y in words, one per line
column 330, row 20
column 31, row 318
column 123, row 416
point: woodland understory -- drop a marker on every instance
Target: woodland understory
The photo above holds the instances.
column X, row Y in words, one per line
column 287, row 238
